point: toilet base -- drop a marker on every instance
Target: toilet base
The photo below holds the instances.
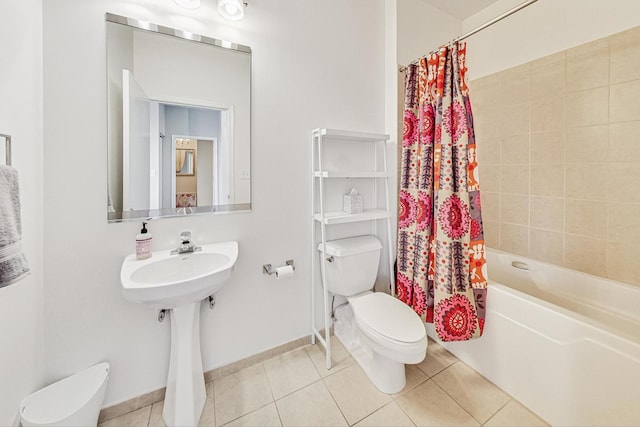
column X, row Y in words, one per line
column 386, row 374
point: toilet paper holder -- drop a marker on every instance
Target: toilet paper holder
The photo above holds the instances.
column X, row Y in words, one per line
column 268, row 269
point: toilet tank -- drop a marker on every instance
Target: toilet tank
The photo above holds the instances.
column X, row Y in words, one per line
column 354, row 264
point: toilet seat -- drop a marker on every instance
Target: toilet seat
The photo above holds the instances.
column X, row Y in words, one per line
column 388, row 317
column 391, row 326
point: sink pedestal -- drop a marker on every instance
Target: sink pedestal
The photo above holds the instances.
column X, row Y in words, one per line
column 186, row 393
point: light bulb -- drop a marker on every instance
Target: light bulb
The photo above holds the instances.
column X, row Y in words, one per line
column 232, row 10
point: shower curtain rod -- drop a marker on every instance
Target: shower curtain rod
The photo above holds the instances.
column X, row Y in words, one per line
column 482, row 27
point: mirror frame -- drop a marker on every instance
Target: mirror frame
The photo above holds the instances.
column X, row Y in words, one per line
column 189, row 155
column 113, row 217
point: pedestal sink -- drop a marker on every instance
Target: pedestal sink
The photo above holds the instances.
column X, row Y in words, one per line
column 180, row 282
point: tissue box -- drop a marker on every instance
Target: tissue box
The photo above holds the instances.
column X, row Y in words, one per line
column 353, row 203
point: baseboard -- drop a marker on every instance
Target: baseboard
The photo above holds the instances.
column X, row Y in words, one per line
column 255, row 359
column 158, row 395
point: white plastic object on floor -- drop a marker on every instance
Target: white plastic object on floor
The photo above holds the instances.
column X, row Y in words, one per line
column 73, row 401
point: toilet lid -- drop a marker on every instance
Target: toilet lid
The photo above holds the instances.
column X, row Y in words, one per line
column 388, row 317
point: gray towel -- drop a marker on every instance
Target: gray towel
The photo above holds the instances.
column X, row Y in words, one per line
column 13, row 264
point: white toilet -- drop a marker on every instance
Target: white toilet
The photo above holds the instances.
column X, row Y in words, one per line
column 381, row 332
column 73, row 401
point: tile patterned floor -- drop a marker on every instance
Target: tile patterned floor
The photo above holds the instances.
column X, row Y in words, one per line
column 295, row 389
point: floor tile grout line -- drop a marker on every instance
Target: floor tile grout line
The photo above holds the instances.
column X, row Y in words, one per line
column 213, row 397
column 406, row 390
column 390, row 396
column 336, row 402
column 394, row 399
column 264, row 372
column 444, row 368
column 275, row 403
column 456, row 402
column 370, row 413
column 526, row 408
column 273, row 398
column 405, row 412
column 320, row 378
column 298, row 389
column 333, row 364
column 311, row 359
column 378, row 410
column 496, row 413
column 485, row 378
column 301, row 388
column 149, row 417
column 428, row 376
column 264, row 369
column 251, row 412
column 415, row 423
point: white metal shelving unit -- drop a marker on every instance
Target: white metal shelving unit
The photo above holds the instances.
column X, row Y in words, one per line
column 322, row 218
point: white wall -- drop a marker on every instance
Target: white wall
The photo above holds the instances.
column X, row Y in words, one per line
column 205, row 171
column 391, row 71
column 204, row 122
column 21, row 305
column 315, row 64
column 422, row 28
column 541, row 29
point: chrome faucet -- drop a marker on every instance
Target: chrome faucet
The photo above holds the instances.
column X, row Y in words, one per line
column 186, row 245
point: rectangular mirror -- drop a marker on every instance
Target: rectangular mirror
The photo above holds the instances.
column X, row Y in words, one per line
column 179, row 122
column 185, row 158
column 5, row 149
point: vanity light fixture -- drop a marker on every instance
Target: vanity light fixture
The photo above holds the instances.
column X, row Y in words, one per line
column 233, row 10
column 188, row 4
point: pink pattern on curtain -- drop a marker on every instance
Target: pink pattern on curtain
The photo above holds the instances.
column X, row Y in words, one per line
column 441, row 260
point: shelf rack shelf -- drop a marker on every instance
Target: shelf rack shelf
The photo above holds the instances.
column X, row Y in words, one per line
column 351, row 174
column 339, row 217
column 347, row 135
column 321, row 218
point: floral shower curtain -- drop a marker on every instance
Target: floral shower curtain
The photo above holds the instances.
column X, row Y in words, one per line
column 441, row 261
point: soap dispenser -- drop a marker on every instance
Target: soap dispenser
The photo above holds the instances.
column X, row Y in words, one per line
column 143, row 243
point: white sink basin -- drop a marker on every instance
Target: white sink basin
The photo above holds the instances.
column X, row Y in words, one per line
column 169, row 281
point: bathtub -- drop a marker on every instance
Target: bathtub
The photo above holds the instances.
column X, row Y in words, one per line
column 565, row 344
